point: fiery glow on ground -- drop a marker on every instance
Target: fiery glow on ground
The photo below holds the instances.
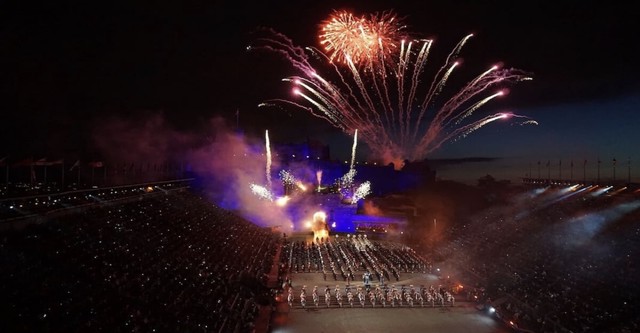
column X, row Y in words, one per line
column 319, row 225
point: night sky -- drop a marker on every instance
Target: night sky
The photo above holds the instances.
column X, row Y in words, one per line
column 68, row 67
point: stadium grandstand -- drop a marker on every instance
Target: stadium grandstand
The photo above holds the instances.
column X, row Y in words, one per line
column 162, row 256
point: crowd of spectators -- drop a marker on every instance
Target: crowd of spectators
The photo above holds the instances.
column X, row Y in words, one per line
column 37, row 205
column 555, row 260
column 168, row 261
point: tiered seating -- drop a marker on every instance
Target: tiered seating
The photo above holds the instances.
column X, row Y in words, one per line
column 167, row 262
column 563, row 264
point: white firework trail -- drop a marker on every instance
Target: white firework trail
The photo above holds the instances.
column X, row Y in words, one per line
column 353, row 149
column 268, row 167
column 319, row 179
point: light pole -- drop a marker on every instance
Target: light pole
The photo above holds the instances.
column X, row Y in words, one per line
column 571, row 175
column 560, row 170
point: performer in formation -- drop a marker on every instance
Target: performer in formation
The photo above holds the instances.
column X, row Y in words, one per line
column 290, row 297
column 382, row 295
column 315, row 296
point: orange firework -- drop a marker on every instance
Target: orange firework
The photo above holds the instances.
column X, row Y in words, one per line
column 346, row 37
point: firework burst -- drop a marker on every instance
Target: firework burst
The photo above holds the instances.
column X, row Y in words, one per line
column 287, row 178
column 361, row 192
column 262, row 192
column 347, row 38
column 379, row 89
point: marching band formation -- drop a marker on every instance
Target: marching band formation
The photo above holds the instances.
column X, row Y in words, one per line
column 366, row 296
column 342, row 258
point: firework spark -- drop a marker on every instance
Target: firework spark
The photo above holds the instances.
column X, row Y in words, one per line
column 353, row 149
column 268, row 166
column 347, row 38
column 261, row 192
column 377, row 86
column 290, row 180
column 345, row 182
column 361, row 192
column 319, row 178
column 287, row 178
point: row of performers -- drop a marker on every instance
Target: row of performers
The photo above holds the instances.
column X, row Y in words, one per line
column 383, row 296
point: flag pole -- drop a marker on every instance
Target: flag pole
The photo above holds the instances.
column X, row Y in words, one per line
column 571, row 173
column 629, row 170
column 560, row 170
column 33, row 174
column 62, row 176
column 548, row 171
